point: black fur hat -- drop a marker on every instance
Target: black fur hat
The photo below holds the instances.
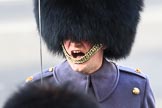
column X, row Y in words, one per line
column 112, row 23
column 36, row 95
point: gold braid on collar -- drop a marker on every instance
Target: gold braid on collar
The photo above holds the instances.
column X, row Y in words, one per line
column 86, row 57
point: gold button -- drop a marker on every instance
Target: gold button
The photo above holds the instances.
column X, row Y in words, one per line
column 136, row 91
column 29, row 79
column 138, row 70
column 50, row 69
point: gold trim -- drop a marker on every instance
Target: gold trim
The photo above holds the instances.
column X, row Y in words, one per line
column 86, row 57
column 136, row 91
column 50, row 69
column 29, row 79
column 138, row 70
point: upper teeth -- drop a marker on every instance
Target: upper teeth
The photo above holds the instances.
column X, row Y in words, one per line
column 76, row 51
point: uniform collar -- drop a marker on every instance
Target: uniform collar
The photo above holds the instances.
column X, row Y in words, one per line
column 104, row 80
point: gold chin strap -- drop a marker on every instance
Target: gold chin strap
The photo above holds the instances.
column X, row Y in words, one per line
column 86, row 57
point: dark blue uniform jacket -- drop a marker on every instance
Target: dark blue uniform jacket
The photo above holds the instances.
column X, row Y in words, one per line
column 112, row 86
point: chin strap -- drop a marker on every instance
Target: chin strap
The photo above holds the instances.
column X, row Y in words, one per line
column 86, row 57
column 40, row 34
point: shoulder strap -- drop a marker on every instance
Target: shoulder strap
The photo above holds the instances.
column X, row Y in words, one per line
column 37, row 76
column 136, row 71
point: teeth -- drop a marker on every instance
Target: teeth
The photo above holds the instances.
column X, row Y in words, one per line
column 76, row 51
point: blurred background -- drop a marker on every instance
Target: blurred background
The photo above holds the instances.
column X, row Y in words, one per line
column 19, row 46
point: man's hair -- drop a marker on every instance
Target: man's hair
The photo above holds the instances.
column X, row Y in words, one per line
column 48, row 96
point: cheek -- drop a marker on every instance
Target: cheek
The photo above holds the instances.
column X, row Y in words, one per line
column 66, row 44
column 87, row 45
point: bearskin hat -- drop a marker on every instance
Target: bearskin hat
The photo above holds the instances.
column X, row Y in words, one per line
column 46, row 95
column 112, row 23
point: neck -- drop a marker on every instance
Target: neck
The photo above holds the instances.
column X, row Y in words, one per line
column 89, row 67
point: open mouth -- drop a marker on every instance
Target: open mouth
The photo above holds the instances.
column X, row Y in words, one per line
column 79, row 57
column 77, row 54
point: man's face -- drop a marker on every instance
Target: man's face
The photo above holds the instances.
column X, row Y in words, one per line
column 77, row 50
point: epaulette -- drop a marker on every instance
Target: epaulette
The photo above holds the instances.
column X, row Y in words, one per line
column 136, row 71
column 37, row 76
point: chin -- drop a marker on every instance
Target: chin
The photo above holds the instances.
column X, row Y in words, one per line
column 77, row 67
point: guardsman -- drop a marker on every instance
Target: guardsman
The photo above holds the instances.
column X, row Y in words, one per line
column 90, row 33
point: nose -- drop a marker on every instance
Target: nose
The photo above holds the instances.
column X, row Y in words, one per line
column 75, row 44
